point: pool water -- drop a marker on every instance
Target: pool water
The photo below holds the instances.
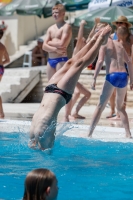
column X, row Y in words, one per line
column 85, row 169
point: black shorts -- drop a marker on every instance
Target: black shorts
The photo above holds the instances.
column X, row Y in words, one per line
column 54, row 89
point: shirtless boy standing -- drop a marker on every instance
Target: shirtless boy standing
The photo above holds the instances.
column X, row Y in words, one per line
column 116, row 77
column 57, row 39
column 4, row 58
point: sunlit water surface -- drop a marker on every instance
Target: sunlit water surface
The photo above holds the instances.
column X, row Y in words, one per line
column 85, row 169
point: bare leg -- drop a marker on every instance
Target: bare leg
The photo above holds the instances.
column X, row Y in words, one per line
column 43, row 61
column 59, row 65
column 112, row 105
column 50, row 71
column 120, row 95
column 1, row 110
column 84, row 99
column 69, row 106
column 124, row 106
column 1, row 107
column 104, row 97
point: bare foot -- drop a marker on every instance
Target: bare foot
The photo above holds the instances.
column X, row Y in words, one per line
column 115, row 118
column 2, row 115
column 66, row 119
column 90, row 135
column 128, row 135
column 111, row 115
column 77, row 116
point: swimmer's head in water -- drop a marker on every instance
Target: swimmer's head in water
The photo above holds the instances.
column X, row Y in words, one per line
column 41, row 184
column 45, row 139
column 58, row 12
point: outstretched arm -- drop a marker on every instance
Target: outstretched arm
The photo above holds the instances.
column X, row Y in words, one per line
column 98, row 65
column 80, row 37
column 6, row 57
column 65, row 38
column 91, row 34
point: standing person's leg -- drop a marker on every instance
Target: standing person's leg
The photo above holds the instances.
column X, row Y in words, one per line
column 1, row 107
column 82, row 90
column 125, row 100
column 50, row 71
column 59, row 65
column 104, row 97
column 112, row 105
column 69, row 106
column 120, row 95
column 43, row 61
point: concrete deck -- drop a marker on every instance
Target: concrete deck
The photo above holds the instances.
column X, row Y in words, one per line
column 18, row 119
column 24, row 111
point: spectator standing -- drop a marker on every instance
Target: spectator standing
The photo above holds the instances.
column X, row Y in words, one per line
column 120, row 22
column 116, row 77
column 57, row 39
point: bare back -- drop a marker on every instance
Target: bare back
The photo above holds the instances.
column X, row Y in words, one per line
column 115, row 56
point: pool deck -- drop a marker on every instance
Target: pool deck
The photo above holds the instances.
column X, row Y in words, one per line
column 25, row 111
column 18, row 119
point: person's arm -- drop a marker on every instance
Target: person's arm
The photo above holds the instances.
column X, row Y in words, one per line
column 91, row 34
column 6, row 57
column 129, row 62
column 80, row 37
column 46, row 46
column 67, row 33
column 99, row 64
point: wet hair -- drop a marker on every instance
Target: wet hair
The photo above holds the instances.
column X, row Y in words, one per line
column 59, row 7
column 37, row 182
column 1, row 33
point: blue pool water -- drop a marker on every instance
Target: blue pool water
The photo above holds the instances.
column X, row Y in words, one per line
column 85, row 169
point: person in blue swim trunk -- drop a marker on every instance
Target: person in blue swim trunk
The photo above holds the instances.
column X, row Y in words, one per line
column 57, row 39
column 122, row 21
column 116, row 77
column 4, row 59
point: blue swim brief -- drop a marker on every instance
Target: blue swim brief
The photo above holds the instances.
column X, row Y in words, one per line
column 118, row 79
column 54, row 61
column 1, row 70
